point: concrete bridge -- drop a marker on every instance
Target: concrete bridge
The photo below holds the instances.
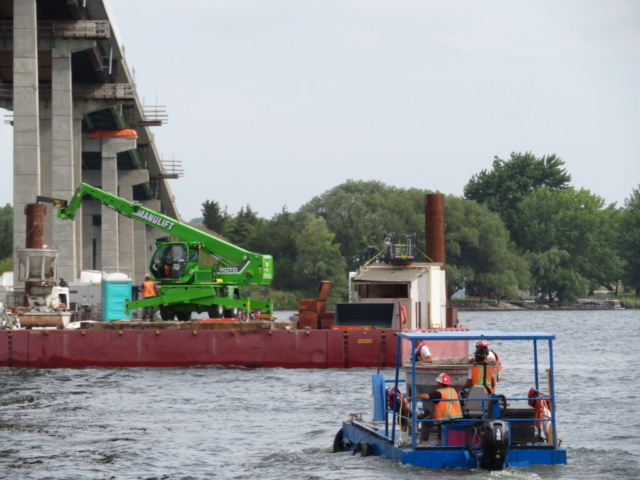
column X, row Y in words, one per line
column 64, row 76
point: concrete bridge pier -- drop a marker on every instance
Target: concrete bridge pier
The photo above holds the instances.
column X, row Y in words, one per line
column 26, row 126
column 63, row 181
column 132, row 247
column 109, row 148
column 151, row 235
column 128, row 233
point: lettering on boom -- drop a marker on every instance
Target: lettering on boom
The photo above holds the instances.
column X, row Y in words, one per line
column 232, row 270
column 229, row 270
column 154, row 219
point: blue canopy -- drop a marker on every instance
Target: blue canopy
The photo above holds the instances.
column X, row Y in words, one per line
column 475, row 335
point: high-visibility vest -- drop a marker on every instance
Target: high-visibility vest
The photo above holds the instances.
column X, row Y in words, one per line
column 148, row 289
column 447, row 410
column 481, row 374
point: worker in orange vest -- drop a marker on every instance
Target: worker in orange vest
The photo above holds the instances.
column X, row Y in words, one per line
column 448, row 410
column 148, row 290
column 481, row 373
column 492, row 358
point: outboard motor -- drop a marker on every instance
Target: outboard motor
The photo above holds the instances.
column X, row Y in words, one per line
column 495, row 445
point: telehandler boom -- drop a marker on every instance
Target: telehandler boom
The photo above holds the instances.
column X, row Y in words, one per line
column 199, row 273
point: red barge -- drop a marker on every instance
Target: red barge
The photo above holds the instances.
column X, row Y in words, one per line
column 185, row 345
column 385, row 297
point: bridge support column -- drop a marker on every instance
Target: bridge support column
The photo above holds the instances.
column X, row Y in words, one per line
column 90, row 234
column 125, row 237
column 26, row 117
column 132, row 244
column 141, row 252
column 132, row 233
column 151, row 235
column 88, row 250
column 63, row 180
column 110, row 232
column 109, row 148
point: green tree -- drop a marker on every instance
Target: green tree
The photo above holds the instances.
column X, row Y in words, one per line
column 511, row 181
column 629, row 240
column 552, row 274
column 213, row 217
column 578, row 223
column 478, row 253
column 319, row 259
column 6, row 231
column 361, row 212
column 6, row 264
column 246, row 230
column 280, row 235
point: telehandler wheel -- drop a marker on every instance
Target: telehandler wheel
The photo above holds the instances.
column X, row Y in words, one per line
column 232, row 312
column 216, row 311
column 166, row 313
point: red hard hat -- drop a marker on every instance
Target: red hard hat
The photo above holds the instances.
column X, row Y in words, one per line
column 482, row 343
column 444, row 379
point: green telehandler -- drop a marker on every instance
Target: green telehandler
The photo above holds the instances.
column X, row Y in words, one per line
column 199, row 273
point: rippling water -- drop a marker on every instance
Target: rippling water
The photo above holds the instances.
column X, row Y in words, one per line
column 200, row 423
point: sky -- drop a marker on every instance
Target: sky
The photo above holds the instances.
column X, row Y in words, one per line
column 274, row 102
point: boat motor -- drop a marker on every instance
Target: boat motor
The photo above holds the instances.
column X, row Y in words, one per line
column 495, row 445
column 488, row 443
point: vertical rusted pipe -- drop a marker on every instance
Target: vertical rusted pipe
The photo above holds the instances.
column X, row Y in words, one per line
column 434, row 233
column 35, row 213
column 434, row 227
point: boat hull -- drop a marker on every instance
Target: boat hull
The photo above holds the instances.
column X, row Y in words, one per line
column 456, row 456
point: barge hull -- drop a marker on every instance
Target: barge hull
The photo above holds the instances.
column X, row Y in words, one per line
column 187, row 348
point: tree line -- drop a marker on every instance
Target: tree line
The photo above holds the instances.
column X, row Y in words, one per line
column 519, row 226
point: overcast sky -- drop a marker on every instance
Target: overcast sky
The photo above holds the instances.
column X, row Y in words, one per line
column 271, row 103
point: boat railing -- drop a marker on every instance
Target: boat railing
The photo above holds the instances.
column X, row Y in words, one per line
column 526, row 424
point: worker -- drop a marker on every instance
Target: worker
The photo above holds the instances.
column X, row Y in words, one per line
column 492, row 358
column 481, row 373
column 149, row 290
column 422, row 353
column 175, row 261
column 448, row 410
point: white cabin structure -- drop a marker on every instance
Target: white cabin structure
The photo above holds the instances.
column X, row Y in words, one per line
column 418, row 287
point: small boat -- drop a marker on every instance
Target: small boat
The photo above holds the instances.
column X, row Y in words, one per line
column 600, row 304
column 493, row 432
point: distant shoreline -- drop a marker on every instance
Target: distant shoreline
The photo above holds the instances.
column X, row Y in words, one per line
column 510, row 306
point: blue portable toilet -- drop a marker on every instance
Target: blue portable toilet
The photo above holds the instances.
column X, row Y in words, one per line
column 116, row 290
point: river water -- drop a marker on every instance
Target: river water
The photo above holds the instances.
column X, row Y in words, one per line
column 201, row 423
